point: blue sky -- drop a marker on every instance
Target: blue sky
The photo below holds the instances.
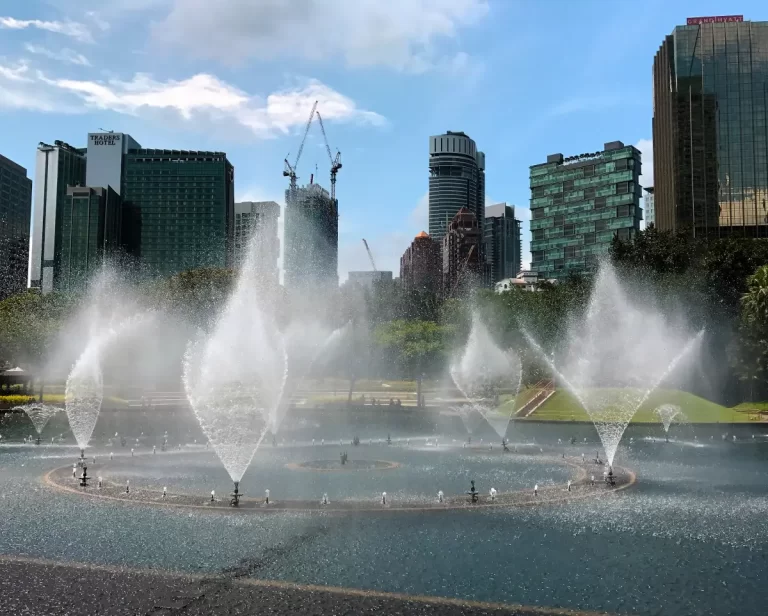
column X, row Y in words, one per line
column 524, row 79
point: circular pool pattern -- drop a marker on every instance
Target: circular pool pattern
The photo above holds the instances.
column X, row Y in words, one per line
column 337, row 466
column 584, row 481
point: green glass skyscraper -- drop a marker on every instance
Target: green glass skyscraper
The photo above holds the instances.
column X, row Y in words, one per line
column 710, row 128
column 178, row 210
column 579, row 204
column 90, row 223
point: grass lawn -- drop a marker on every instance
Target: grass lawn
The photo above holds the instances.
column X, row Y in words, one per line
column 563, row 406
column 509, row 404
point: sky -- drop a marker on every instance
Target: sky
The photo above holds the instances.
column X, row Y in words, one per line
column 523, row 78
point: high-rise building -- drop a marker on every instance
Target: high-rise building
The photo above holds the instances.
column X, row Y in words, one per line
column 90, row 223
column 578, row 205
column 367, row 279
column 503, row 245
column 106, row 159
column 462, row 260
column 258, row 218
column 456, row 181
column 15, row 211
column 649, row 209
column 311, row 254
column 710, row 128
column 56, row 167
column 179, row 208
column 421, row 264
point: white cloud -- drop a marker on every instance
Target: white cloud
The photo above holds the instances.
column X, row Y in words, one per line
column 204, row 96
column 400, row 34
column 15, row 73
column 19, row 89
column 73, row 29
column 646, row 150
column 63, row 55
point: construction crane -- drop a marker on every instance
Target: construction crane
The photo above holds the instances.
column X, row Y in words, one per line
column 290, row 170
column 335, row 162
column 370, row 256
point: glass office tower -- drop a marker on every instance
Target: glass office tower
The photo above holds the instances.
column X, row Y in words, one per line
column 710, row 134
column 579, row 204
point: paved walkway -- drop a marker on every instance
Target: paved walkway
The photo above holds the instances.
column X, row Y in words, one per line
column 42, row 588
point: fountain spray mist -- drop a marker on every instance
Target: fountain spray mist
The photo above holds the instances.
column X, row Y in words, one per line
column 617, row 355
column 234, row 376
column 480, row 368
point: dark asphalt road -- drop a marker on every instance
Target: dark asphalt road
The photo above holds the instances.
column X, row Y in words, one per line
column 40, row 588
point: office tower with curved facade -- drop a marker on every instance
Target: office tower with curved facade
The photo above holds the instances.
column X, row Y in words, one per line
column 456, row 180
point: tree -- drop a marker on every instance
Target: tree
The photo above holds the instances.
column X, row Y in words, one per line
column 751, row 358
column 418, row 346
column 195, row 295
column 29, row 325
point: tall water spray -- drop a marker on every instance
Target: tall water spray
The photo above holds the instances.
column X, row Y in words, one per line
column 234, row 376
column 479, row 370
column 617, row 355
column 84, row 391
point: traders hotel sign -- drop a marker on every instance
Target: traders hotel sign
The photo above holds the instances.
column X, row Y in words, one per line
column 105, row 139
column 720, row 19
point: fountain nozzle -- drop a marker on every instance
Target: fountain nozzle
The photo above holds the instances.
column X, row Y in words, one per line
column 235, row 500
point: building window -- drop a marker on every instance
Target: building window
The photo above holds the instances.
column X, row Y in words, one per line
column 537, row 256
column 538, row 234
column 537, row 213
column 601, row 225
column 559, row 264
column 589, row 171
column 622, row 211
column 589, row 193
column 568, row 185
column 569, row 252
column 559, row 220
column 589, row 238
column 622, row 188
column 621, row 164
column 569, row 230
column 600, row 202
column 538, row 191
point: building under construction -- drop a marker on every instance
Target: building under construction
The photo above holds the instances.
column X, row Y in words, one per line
column 311, row 255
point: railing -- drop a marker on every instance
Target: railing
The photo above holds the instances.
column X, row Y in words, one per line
column 546, row 388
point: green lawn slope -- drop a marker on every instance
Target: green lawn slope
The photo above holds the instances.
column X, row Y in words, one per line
column 563, row 406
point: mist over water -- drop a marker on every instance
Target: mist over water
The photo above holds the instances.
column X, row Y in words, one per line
column 479, row 370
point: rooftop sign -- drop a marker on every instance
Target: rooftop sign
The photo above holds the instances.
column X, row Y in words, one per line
column 720, row 19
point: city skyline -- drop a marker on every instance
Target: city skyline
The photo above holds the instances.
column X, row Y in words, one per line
column 66, row 71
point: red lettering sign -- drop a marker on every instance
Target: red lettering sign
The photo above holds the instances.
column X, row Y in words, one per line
column 720, row 19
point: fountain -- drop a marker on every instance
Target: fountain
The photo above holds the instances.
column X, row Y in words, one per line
column 618, row 353
column 479, row 371
column 39, row 414
column 85, row 385
column 668, row 413
column 234, row 376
